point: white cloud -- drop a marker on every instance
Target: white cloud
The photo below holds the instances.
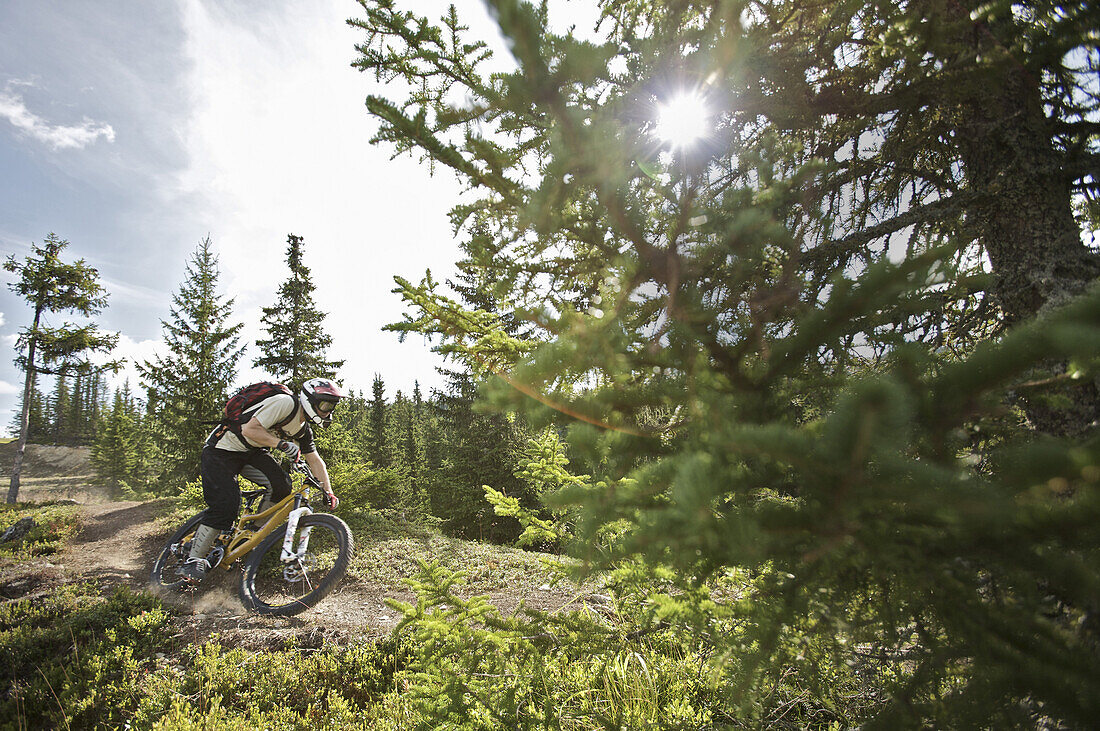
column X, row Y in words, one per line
column 6, row 389
column 132, row 294
column 133, row 352
column 58, row 136
column 278, row 143
column 1, row 319
column 278, row 140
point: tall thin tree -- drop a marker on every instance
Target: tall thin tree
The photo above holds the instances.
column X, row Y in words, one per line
column 52, row 286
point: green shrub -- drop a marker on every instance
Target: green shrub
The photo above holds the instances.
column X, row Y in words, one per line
column 76, row 658
column 471, row 668
column 81, row 660
column 53, row 525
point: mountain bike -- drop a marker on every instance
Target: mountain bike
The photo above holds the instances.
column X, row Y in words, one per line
column 292, row 556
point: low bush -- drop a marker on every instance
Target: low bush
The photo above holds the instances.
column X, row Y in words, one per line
column 80, row 659
column 53, row 524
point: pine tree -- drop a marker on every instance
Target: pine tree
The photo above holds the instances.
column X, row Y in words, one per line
column 414, row 468
column 92, row 396
column 39, row 424
column 77, row 412
column 477, row 449
column 431, row 475
column 187, row 387
column 778, row 350
column 77, row 408
column 61, row 412
column 296, row 347
column 51, row 287
column 354, row 415
column 116, row 451
column 376, row 445
column 397, row 416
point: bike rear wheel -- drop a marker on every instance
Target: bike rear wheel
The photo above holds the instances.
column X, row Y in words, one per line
column 172, row 556
column 270, row 585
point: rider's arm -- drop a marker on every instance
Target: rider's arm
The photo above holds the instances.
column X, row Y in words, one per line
column 260, row 430
column 257, row 434
column 320, row 471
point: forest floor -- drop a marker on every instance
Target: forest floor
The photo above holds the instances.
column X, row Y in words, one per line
column 119, row 539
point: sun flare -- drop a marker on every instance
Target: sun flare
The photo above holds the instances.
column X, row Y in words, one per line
column 683, row 119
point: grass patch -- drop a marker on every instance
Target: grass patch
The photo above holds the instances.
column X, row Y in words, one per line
column 388, row 552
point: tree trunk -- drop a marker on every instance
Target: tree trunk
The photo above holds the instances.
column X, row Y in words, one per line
column 1025, row 222
column 25, row 417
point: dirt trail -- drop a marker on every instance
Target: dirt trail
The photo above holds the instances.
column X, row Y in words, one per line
column 120, row 539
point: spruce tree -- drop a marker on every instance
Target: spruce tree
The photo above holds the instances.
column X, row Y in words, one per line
column 376, row 444
column 411, row 444
column 77, row 408
column 787, row 353
column 39, row 424
column 353, row 414
column 397, row 417
column 187, row 387
column 477, row 449
column 61, row 411
column 51, row 287
column 117, row 449
column 296, row 347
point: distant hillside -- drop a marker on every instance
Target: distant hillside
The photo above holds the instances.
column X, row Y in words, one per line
column 47, row 460
column 52, row 473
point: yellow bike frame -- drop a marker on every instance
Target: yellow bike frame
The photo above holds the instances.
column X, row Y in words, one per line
column 253, row 528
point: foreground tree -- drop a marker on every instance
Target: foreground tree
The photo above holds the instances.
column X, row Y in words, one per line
column 52, row 286
column 296, row 347
column 187, row 387
column 971, row 124
column 789, row 352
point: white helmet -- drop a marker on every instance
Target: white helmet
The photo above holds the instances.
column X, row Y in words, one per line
column 319, row 397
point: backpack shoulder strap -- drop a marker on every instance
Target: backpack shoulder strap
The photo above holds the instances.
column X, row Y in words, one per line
column 290, row 417
column 236, row 427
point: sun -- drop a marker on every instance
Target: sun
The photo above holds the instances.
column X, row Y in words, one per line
column 683, row 119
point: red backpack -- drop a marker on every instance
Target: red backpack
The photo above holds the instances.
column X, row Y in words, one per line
column 240, row 405
column 251, row 396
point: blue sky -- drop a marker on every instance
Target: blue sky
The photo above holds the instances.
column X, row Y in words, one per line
column 134, row 129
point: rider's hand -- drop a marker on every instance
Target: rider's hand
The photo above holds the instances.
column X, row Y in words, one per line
column 290, row 449
column 331, row 501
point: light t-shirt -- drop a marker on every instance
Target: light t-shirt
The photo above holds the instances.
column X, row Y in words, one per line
column 269, row 412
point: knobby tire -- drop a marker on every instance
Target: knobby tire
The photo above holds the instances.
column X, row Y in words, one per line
column 269, row 586
column 164, row 574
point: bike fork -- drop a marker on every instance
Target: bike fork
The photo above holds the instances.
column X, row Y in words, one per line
column 289, row 554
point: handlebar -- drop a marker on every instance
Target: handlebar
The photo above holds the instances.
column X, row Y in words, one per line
column 299, row 465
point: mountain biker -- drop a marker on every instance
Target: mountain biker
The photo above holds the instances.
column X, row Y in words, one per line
column 230, row 451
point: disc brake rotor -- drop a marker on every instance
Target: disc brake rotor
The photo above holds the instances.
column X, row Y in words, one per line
column 298, row 569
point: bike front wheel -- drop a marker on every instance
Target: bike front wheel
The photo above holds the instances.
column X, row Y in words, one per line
column 321, row 548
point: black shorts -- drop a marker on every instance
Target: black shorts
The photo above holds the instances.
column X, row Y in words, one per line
column 219, row 469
